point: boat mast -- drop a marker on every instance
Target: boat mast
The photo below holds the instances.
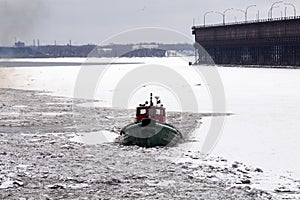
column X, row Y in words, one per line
column 151, row 102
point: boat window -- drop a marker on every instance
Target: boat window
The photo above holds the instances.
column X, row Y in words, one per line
column 158, row 112
column 142, row 111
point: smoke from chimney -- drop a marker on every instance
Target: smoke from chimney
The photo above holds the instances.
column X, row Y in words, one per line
column 18, row 18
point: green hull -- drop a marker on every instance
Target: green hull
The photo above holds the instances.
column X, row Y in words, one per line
column 150, row 133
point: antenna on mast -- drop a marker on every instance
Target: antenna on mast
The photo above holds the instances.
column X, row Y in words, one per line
column 157, row 100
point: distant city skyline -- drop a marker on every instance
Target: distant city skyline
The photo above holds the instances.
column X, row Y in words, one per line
column 93, row 21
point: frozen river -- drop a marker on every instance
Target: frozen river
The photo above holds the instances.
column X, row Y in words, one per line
column 264, row 130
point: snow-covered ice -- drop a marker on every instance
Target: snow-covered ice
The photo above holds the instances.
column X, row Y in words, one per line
column 263, row 130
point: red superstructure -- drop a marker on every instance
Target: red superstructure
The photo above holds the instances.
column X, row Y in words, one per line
column 149, row 110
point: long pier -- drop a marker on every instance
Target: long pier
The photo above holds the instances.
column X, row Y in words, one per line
column 273, row 42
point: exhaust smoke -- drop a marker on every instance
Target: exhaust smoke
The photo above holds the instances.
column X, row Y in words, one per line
column 18, row 19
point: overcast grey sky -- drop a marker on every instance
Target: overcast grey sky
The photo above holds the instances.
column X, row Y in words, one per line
column 92, row 21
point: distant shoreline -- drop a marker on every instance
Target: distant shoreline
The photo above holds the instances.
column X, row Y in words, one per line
column 112, row 50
